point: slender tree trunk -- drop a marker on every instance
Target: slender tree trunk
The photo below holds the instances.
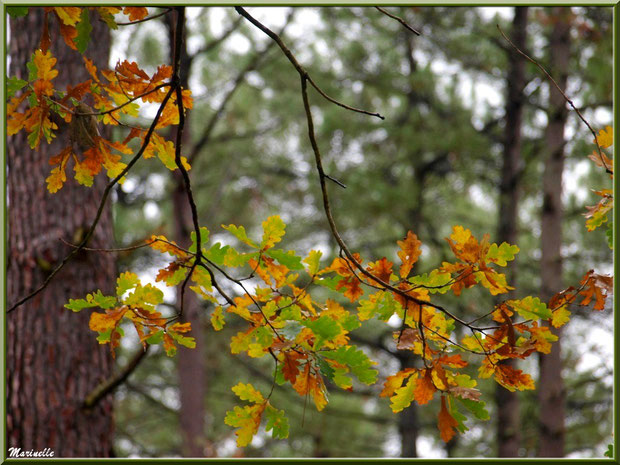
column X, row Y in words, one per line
column 508, row 418
column 190, row 365
column 53, row 358
column 408, row 423
column 551, row 395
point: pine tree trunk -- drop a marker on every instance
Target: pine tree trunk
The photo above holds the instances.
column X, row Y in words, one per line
column 53, row 358
column 551, row 395
column 508, row 418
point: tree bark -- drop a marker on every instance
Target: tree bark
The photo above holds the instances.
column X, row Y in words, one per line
column 551, row 395
column 53, row 358
column 508, row 417
column 190, row 363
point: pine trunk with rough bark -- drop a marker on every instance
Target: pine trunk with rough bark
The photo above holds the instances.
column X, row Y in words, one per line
column 507, row 403
column 53, row 359
column 551, row 395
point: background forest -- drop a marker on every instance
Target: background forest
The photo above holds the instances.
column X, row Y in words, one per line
column 473, row 135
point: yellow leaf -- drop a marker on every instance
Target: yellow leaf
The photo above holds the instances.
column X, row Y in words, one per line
column 605, row 137
column 45, row 65
column 560, row 316
column 69, row 15
column 273, row 230
column 248, row 392
column 392, row 383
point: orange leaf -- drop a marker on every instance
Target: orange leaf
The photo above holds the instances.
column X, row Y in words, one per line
column 424, row 389
column 135, row 13
column 446, row 424
column 317, row 389
column 512, row 379
column 353, row 289
column 290, row 368
column 69, row 33
column 301, row 384
column 69, row 15
column 392, row 383
column 596, row 286
column 409, row 253
column 382, row 269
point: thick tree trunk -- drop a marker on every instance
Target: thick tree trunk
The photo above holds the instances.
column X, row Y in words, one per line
column 551, row 395
column 191, row 363
column 508, row 418
column 53, row 358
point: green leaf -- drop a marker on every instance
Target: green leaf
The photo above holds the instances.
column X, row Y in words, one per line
column 217, row 253
column 273, row 231
column 185, row 341
column 105, row 336
column 156, row 338
column 325, row 368
column 83, row 29
column 101, row 300
column 312, row 260
column 248, row 392
column 403, row 396
column 247, row 419
column 17, row 11
column 324, row 327
column 435, row 281
column 13, row 84
column 610, row 234
column 502, row 254
column 239, row 233
column 459, row 417
column 146, row 296
column 96, row 299
column 126, row 281
column 217, row 319
column 277, row 422
column 330, row 283
column 288, row 259
column 530, row 308
column 107, row 18
column 357, row 360
column 381, row 304
column 204, row 239
column 610, row 451
column 477, row 408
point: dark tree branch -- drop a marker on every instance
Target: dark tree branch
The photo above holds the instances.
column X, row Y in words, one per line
column 400, row 20
column 296, row 64
column 111, row 384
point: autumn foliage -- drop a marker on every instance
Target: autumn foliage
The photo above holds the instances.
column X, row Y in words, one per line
column 308, row 339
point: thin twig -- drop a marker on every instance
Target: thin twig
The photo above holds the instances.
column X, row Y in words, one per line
column 148, row 18
column 400, row 20
column 569, row 101
column 296, row 64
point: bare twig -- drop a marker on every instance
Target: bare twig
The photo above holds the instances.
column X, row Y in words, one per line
column 400, row 20
column 148, row 18
column 569, row 101
column 296, row 64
